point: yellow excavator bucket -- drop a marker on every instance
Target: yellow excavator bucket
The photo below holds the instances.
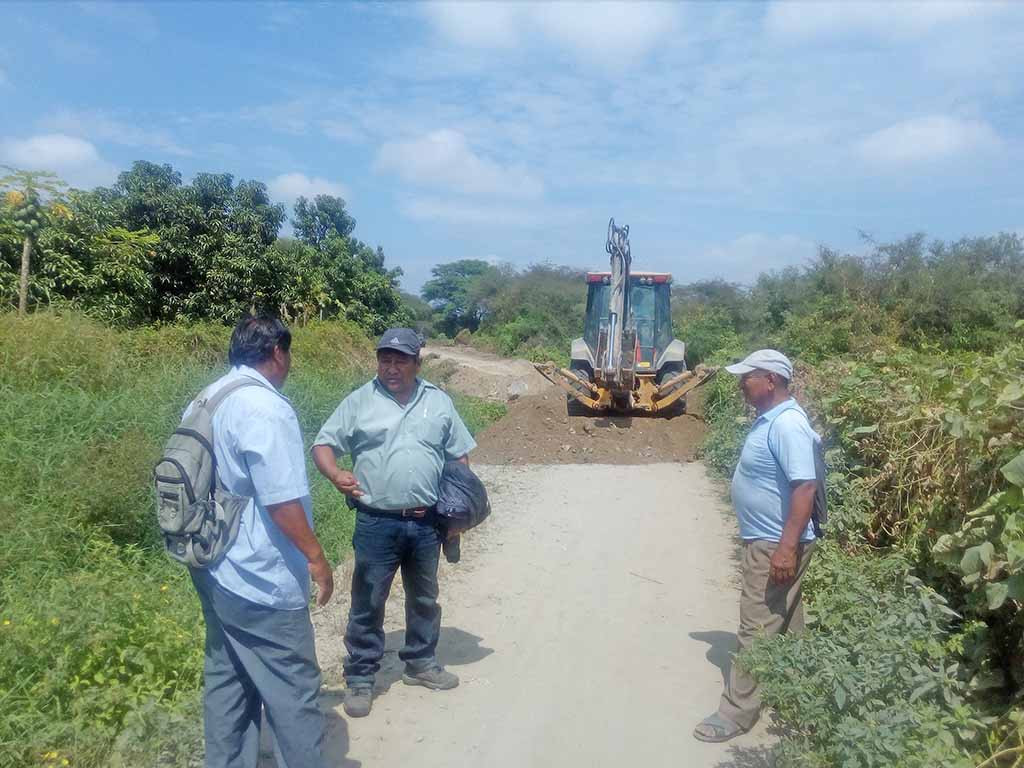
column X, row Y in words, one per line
column 647, row 397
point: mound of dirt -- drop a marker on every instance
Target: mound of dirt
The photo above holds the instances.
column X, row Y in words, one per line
column 481, row 374
column 538, row 431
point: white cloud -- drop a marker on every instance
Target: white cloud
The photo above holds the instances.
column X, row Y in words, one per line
column 612, row 34
column 608, row 32
column 827, row 18
column 73, row 159
column 744, row 258
column 97, row 125
column 457, row 212
column 926, row 139
column 290, row 186
column 444, row 159
column 477, row 25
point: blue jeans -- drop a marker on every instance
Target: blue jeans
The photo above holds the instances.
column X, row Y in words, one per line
column 258, row 658
column 382, row 545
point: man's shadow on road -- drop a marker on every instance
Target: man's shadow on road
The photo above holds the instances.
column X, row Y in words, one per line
column 722, row 646
column 455, row 648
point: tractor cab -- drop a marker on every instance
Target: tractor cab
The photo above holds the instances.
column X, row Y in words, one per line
column 647, row 308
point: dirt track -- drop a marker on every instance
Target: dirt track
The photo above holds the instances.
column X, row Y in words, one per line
column 591, row 619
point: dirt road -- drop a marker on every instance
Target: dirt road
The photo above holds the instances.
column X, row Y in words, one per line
column 591, row 618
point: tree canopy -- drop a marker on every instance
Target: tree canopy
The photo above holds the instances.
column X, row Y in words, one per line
column 154, row 249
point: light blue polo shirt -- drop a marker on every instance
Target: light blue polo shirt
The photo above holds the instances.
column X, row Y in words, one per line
column 259, row 452
column 398, row 451
column 761, row 484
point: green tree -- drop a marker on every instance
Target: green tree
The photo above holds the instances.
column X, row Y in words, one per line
column 317, row 221
column 213, row 239
column 449, row 293
column 31, row 199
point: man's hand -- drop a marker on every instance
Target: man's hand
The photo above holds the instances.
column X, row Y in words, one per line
column 346, row 483
column 782, row 568
column 321, row 573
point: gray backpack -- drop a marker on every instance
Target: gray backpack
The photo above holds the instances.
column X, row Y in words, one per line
column 197, row 516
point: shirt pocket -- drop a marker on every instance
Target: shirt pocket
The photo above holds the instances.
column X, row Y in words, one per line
column 429, row 429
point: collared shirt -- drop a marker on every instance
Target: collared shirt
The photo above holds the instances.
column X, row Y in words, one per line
column 398, row 451
column 259, row 452
column 761, row 490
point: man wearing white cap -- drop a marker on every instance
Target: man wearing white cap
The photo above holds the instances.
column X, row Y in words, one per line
column 773, row 490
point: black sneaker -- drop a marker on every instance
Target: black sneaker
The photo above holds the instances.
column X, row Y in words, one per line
column 358, row 701
column 435, row 678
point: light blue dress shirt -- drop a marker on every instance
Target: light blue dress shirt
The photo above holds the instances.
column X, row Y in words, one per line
column 761, row 490
column 259, row 452
column 398, row 451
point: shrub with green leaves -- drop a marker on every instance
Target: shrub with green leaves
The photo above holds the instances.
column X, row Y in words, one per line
column 878, row 681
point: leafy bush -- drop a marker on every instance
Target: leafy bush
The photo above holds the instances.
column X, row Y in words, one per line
column 918, row 441
column 878, row 681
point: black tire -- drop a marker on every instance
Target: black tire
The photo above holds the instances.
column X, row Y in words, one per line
column 678, row 408
column 574, row 407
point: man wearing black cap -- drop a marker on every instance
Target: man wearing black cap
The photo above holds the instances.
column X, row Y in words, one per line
column 399, row 430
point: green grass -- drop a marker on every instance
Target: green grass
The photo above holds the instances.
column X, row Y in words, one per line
column 102, row 634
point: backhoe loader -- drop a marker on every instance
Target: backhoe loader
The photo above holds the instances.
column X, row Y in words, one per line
column 627, row 361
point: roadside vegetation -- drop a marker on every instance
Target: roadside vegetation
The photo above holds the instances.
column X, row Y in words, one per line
column 912, row 362
column 102, row 633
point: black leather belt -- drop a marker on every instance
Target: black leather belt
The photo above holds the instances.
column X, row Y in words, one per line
column 409, row 513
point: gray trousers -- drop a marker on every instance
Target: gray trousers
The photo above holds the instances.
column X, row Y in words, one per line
column 764, row 608
column 258, row 658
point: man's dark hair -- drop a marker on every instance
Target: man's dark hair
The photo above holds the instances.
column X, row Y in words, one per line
column 254, row 339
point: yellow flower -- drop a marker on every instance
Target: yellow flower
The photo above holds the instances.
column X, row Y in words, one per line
column 55, row 621
column 7, row 622
column 163, row 588
column 65, row 761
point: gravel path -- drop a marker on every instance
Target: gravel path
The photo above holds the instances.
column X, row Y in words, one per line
column 591, row 620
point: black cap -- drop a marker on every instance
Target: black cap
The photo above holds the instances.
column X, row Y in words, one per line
column 404, row 340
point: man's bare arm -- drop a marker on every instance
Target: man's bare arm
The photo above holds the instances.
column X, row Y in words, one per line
column 290, row 517
column 327, row 464
column 801, row 506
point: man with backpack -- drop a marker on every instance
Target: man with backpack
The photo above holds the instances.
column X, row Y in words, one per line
column 260, row 653
column 778, row 492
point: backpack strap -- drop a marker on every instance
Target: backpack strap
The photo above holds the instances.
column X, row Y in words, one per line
column 768, row 437
column 214, row 402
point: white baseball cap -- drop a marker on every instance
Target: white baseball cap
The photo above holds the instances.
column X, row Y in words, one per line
column 764, row 360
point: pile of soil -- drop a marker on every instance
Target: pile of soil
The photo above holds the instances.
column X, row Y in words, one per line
column 482, row 374
column 537, row 430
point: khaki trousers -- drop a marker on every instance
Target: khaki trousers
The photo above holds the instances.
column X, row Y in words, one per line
column 764, row 608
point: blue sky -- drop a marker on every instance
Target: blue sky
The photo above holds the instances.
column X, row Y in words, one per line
column 733, row 138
